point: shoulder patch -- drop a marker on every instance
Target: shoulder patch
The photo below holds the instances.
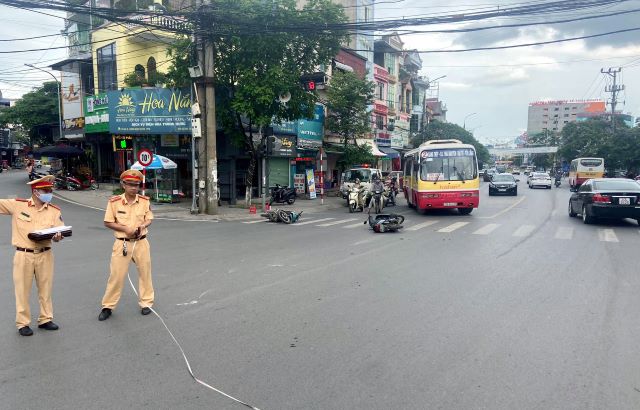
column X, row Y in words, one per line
column 54, row 206
column 22, row 200
column 114, row 198
column 143, row 197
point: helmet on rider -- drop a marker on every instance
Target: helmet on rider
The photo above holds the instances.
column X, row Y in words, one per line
column 376, row 177
column 357, row 180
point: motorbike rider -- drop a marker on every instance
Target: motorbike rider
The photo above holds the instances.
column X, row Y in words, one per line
column 376, row 185
column 393, row 190
column 558, row 176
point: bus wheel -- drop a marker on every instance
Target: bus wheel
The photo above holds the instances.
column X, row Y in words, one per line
column 465, row 211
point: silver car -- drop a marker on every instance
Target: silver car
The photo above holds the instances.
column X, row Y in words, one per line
column 539, row 179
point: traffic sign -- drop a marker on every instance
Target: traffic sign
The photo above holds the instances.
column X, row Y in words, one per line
column 145, row 157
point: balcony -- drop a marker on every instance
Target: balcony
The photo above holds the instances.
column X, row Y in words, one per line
column 380, row 73
column 141, row 33
column 380, row 108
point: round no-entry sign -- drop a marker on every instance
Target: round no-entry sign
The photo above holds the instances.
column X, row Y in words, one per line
column 145, row 157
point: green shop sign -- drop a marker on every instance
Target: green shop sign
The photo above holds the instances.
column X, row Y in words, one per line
column 310, row 132
column 150, row 111
column 96, row 113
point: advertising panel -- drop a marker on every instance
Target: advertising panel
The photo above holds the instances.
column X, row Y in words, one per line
column 96, row 109
column 311, row 183
column 71, row 98
column 150, row 111
column 284, row 146
column 311, row 131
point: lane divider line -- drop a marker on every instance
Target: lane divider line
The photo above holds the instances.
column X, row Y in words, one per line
column 524, row 230
column 487, row 229
column 421, row 225
column 453, row 227
column 607, row 235
column 507, row 209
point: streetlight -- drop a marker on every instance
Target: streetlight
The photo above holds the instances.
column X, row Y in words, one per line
column 59, row 89
column 464, row 122
column 435, row 79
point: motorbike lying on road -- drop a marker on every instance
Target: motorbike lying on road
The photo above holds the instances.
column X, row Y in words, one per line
column 281, row 194
column 281, row 215
column 356, row 199
column 385, row 222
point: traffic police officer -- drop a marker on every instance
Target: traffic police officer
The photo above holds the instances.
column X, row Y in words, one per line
column 129, row 215
column 33, row 259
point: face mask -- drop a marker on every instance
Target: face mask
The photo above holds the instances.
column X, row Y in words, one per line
column 44, row 197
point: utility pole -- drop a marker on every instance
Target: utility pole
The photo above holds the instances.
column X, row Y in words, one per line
column 208, row 163
column 613, row 89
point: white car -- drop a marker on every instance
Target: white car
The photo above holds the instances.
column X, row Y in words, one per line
column 539, row 179
column 37, row 163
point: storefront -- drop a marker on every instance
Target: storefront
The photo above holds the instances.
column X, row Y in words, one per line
column 96, row 129
column 158, row 119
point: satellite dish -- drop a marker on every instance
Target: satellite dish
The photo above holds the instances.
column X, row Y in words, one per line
column 284, row 98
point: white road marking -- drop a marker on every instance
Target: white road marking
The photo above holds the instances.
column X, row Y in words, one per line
column 254, row 222
column 507, row 209
column 354, row 225
column 420, row 226
column 313, row 221
column 366, row 241
column 453, row 227
column 524, row 230
column 607, row 235
column 487, row 229
column 339, row 222
column 564, row 233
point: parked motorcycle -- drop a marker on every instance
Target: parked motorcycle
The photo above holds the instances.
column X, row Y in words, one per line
column 86, row 181
column 33, row 175
column 356, row 198
column 65, row 180
column 281, row 194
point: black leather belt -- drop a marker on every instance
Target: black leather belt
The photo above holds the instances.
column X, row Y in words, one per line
column 33, row 250
column 133, row 239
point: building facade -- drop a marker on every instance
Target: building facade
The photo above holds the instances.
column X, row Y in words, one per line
column 552, row 116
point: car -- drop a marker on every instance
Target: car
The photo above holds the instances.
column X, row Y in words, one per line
column 37, row 163
column 615, row 198
column 539, row 179
column 488, row 174
column 364, row 174
column 504, row 184
column 515, row 171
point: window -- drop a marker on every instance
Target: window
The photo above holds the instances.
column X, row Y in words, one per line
column 449, row 168
column 556, row 109
column 546, row 109
column 566, row 115
column 139, row 70
column 381, row 91
column 566, row 108
column 566, row 122
column 379, row 122
column 151, row 67
column 390, row 63
column 392, row 97
column 107, row 68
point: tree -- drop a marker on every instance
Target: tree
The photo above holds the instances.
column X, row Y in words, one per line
column 355, row 154
column 255, row 63
column 36, row 108
column 347, row 101
column 437, row 130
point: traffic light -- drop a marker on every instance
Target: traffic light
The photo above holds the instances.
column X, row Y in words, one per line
column 313, row 81
column 310, row 85
column 271, row 144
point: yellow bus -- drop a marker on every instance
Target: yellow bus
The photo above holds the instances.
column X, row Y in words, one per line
column 442, row 174
column 585, row 168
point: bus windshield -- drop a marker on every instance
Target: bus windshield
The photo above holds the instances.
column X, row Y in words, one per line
column 448, row 165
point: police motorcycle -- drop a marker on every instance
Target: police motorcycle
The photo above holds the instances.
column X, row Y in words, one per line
column 281, row 194
column 356, row 197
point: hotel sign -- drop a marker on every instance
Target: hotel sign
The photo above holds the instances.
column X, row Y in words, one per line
column 150, row 111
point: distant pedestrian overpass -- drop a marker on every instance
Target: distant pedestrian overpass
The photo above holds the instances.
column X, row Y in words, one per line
column 522, row 151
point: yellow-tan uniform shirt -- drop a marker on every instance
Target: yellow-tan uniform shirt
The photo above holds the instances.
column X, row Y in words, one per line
column 27, row 218
column 131, row 215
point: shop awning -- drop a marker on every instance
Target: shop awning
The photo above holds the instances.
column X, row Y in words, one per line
column 390, row 152
column 374, row 147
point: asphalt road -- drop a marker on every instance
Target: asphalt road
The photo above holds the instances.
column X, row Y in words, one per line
column 514, row 306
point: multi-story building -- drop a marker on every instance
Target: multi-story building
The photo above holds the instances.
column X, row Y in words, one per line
column 552, row 116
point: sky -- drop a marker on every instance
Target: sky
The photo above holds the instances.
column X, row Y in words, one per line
column 487, row 91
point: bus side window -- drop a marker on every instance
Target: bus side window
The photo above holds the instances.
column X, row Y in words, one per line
column 407, row 167
column 416, row 169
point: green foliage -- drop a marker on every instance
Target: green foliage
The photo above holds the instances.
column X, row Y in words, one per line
column 347, row 100
column 181, row 54
column 437, row 130
column 134, row 79
column 251, row 70
column 594, row 138
column 35, row 108
column 354, row 154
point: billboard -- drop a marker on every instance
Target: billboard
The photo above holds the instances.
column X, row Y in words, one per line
column 150, row 111
column 96, row 109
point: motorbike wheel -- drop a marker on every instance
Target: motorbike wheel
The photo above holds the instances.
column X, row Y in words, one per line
column 291, row 200
column 352, row 207
column 377, row 207
column 94, row 186
column 71, row 187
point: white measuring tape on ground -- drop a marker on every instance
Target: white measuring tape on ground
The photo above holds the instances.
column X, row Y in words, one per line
column 184, row 356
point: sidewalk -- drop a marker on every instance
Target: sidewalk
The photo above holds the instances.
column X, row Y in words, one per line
column 182, row 210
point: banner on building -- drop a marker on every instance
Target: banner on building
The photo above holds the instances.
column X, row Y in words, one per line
column 96, row 109
column 150, row 111
column 71, row 99
column 311, row 131
column 284, row 146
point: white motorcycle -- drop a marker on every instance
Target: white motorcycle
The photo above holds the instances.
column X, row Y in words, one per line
column 356, row 199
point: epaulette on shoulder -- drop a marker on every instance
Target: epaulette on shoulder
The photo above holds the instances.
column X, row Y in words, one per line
column 54, row 206
column 22, row 200
column 143, row 197
column 114, row 198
